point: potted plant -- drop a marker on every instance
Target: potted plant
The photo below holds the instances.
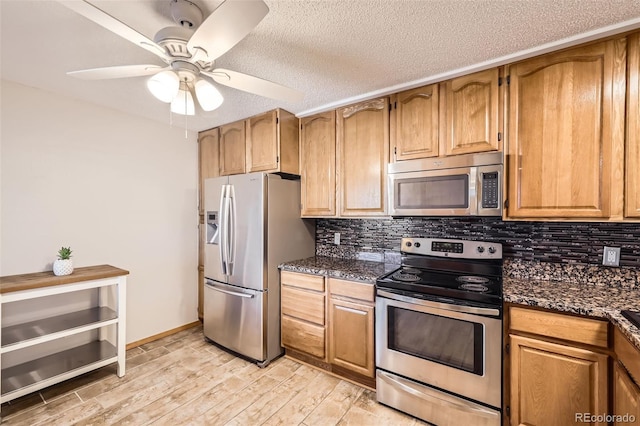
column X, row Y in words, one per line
column 63, row 265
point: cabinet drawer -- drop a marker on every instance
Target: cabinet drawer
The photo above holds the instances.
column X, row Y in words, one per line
column 303, row 304
column 628, row 354
column 352, row 289
column 303, row 337
column 307, row 281
column 566, row 327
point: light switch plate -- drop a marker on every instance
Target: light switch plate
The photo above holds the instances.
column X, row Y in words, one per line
column 611, row 256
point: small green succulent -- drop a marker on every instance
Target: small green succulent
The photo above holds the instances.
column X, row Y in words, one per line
column 64, row 253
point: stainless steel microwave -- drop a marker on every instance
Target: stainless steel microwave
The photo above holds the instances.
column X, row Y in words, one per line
column 461, row 185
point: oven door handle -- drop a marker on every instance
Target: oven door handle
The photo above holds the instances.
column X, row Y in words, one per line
column 446, row 306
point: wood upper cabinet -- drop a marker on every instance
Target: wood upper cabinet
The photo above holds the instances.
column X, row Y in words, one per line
column 318, row 165
column 566, row 133
column 551, row 382
column 232, row 148
column 363, row 153
column 471, row 113
column 351, row 326
column 632, row 178
column 272, row 142
column 415, row 123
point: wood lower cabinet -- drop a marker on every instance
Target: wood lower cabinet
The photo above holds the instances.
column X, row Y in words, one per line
column 632, row 178
column 272, row 143
column 626, row 397
column 566, row 133
column 318, row 165
column 553, row 377
column 415, row 121
column 303, row 314
column 363, row 153
column 351, row 326
column 232, row 149
column 334, row 333
column 471, row 118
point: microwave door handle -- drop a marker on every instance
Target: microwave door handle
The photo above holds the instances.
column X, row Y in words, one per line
column 474, row 184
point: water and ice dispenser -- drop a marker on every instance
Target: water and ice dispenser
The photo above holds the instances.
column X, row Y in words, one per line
column 212, row 228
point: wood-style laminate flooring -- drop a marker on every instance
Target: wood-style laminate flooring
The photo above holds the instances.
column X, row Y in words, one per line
column 183, row 380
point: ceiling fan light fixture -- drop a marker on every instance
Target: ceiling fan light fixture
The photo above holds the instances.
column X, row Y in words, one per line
column 183, row 102
column 164, row 86
column 208, row 96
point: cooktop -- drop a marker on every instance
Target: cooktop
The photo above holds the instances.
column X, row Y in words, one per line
column 632, row 316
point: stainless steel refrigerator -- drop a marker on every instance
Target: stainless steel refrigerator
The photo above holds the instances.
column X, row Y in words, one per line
column 252, row 225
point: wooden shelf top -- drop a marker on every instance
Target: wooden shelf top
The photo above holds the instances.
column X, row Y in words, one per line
column 21, row 282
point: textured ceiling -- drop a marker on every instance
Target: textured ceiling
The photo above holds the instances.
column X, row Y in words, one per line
column 335, row 51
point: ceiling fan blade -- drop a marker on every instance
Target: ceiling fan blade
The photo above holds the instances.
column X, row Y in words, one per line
column 116, row 72
column 226, row 26
column 107, row 21
column 251, row 84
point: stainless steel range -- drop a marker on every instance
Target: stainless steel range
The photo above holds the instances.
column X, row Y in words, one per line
column 439, row 332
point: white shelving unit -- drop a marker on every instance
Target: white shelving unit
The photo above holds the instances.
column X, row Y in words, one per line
column 36, row 353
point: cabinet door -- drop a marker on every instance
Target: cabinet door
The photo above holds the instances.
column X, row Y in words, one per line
column 318, row 164
column 209, row 144
column 566, row 133
column 550, row 383
column 472, row 113
column 415, row 122
column 632, row 179
column 626, row 396
column 232, row 149
column 363, row 154
column 262, row 143
column 351, row 336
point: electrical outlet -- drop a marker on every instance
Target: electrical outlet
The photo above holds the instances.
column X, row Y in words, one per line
column 611, row 256
column 336, row 238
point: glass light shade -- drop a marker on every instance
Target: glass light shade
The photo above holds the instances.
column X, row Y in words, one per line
column 164, row 85
column 208, row 96
column 183, row 103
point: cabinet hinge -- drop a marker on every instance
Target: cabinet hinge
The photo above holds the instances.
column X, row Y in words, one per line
column 506, row 203
column 507, row 348
column 499, row 136
column 395, row 105
column 395, row 150
column 277, row 120
column 277, row 159
column 508, row 79
column 508, row 411
column 499, row 81
column 390, row 107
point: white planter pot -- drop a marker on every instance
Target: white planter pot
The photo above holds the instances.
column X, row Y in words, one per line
column 62, row 267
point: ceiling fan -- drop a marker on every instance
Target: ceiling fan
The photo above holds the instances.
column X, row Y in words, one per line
column 189, row 49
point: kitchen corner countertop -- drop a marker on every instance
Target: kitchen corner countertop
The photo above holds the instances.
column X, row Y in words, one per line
column 592, row 300
column 347, row 269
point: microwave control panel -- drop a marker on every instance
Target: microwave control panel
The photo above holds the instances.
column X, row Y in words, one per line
column 490, row 190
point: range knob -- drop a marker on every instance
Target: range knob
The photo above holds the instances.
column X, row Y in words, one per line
column 492, row 249
column 408, row 244
column 416, row 244
column 480, row 249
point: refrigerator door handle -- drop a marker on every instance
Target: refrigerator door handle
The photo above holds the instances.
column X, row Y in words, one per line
column 232, row 229
column 223, row 229
column 231, row 293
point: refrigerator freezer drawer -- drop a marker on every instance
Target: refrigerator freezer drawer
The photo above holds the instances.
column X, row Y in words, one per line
column 234, row 318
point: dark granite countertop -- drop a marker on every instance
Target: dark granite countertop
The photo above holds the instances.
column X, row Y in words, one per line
column 346, row 269
column 585, row 299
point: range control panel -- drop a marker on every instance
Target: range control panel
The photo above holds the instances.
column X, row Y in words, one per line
column 452, row 248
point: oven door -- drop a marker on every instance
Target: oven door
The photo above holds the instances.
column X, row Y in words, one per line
column 452, row 347
column 450, row 192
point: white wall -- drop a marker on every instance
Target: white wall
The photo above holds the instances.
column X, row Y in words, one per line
column 118, row 189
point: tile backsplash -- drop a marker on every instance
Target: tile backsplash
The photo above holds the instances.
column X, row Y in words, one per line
column 555, row 242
